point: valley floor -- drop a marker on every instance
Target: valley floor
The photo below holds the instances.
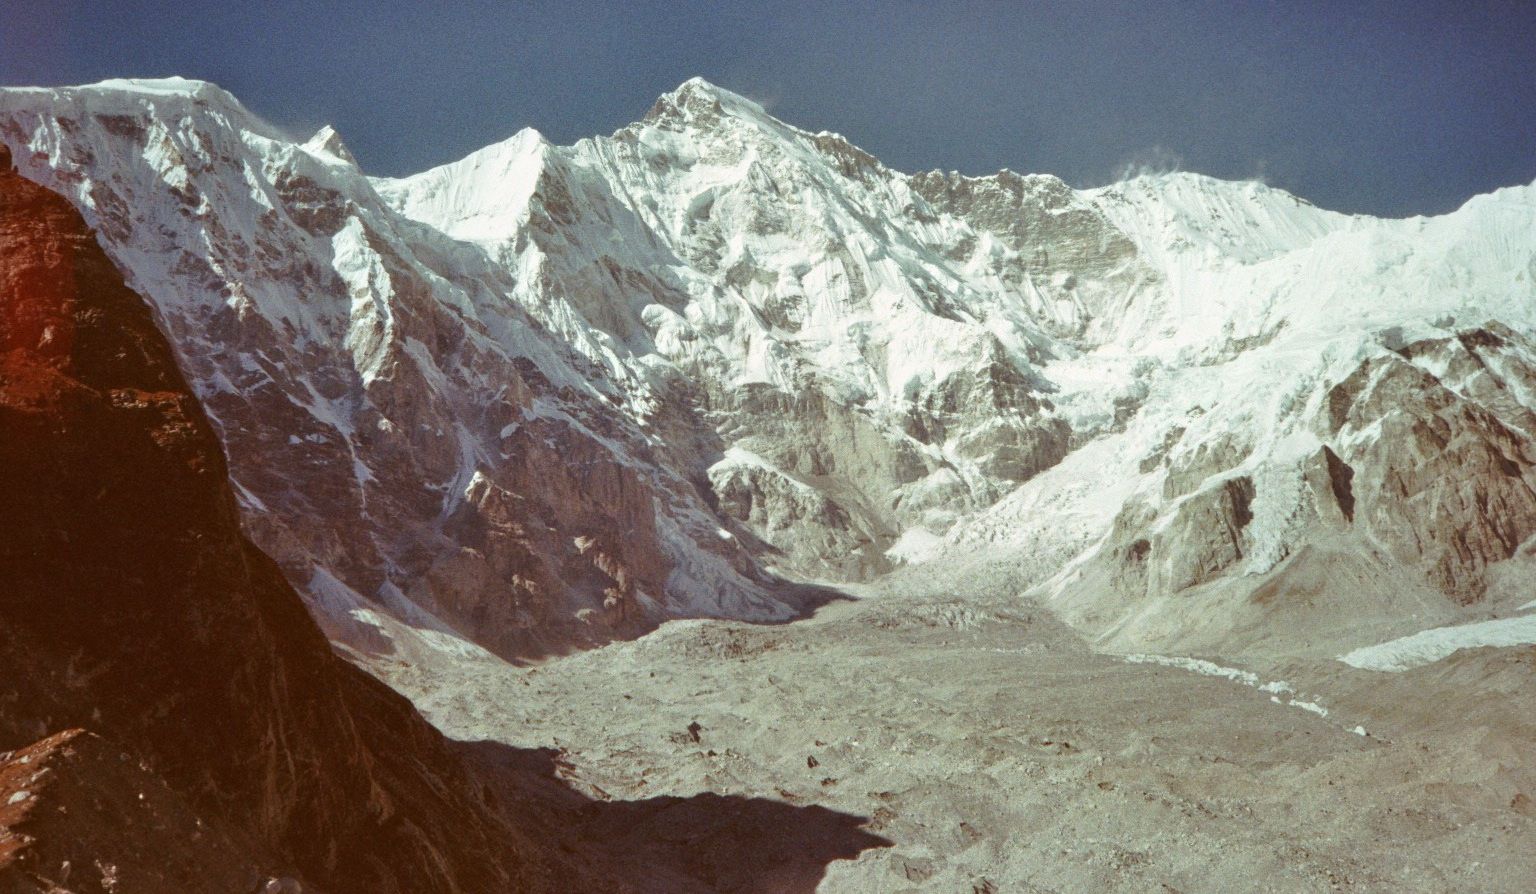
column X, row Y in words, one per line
column 996, row 752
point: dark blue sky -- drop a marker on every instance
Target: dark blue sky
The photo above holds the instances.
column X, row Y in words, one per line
column 1392, row 108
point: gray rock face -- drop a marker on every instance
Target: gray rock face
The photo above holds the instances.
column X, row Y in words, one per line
column 993, row 416
column 1447, row 478
column 1069, row 254
column 798, row 520
column 1417, row 476
column 408, row 443
column 1208, row 537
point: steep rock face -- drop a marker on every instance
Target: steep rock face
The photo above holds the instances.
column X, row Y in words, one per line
column 134, row 606
column 796, row 518
column 375, row 386
column 630, row 299
column 1400, row 469
column 1331, row 438
column 78, row 815
column 1070, row 260
column 849, row 326
column 559, row 513
column 1447, row 476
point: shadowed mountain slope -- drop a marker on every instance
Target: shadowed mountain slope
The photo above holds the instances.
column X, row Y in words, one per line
column 238, row 745
column 133, row 605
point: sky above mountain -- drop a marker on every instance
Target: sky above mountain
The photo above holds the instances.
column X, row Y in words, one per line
column 1389, row 108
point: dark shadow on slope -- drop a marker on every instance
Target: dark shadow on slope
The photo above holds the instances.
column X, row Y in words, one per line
column 806, row 599
column 670, row 845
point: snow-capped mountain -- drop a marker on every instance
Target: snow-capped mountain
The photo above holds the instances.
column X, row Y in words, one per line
column 545, row 396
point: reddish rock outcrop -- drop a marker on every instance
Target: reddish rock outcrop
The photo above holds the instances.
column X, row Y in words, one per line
column 80, row 815
column 133, row 606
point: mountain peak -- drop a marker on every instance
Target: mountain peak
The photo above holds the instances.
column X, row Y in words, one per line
column 173, row 87
column 138, row 96
column 174, row 84
column 326, row 140
column 121, row 89
column 696, row 83
column 700, row 101
column 697, row 86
